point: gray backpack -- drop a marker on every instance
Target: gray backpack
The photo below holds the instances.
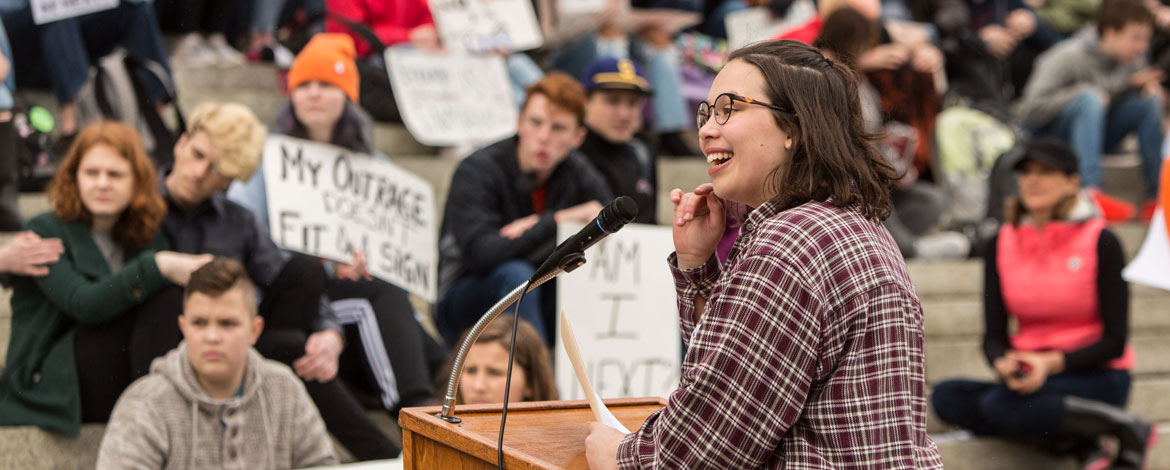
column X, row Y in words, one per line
column 112, row 92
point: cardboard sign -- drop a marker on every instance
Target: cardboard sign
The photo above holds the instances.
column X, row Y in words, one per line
column 448, row 99
column 747, row 26
column 327, row 201
column 48, row 11
column 757, row 24
column 584, row 7
column 483, row 26
column 1151, row 266
column 623, row 310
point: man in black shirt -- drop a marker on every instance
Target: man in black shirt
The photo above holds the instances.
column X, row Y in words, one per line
column 505, row 202
column 617, row 92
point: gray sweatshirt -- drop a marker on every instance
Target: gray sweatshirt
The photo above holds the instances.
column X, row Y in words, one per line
column 166, row 420
column 1071, row 67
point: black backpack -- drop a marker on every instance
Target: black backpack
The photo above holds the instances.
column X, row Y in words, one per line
column 376, row 96
column 35, row 162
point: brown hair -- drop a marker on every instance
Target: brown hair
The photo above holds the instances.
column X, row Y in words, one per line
column 1014, row 209
column 561, row 90
column 221, row 275
column 847, row 34
column 140, row 221
column 833, row 158
column 531, row 357
column 1115, row 14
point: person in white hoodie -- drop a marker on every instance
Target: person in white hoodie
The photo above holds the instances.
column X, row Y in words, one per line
column 214, row 402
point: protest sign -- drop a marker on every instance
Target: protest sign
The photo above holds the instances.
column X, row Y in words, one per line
column 622, row 307
column 758, row 23
column 448, row 99
column 1151, row 266
column 747, row 26
column 483, row 26
column 48, row 11
column 327, row 201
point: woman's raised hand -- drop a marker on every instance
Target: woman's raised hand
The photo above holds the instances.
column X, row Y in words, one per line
column 177, row 267
column 698, row 225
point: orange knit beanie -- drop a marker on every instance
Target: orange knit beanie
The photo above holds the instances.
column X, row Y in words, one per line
column 327, row 57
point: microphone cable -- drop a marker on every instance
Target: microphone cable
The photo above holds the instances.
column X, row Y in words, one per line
column 508, row 380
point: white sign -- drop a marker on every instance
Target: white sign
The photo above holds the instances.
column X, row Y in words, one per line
column 327, row 201
column 585, row 7
column 449, row 99
column 1151, row 266
column 623, row 310
column 48, row 11
column 482, row 26
column 756, row 24
column 747, row 26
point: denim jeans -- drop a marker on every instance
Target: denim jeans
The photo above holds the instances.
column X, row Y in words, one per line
column 522, row 73
column 715, row 24
column 267, row 14
column 662, row 69
column 58, row 54
column 9, row 82
column 991, row 409
column 1091, row 127
column 469, row 298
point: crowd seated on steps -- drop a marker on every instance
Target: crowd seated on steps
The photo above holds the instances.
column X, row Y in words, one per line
column 114, row 278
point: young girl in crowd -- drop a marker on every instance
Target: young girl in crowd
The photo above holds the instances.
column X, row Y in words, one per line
column 486, row 368
column 804, row 349
column 323, row 84
column 73, row 332
column 1056, row 270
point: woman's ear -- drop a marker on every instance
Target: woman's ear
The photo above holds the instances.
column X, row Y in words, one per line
column 788, row 144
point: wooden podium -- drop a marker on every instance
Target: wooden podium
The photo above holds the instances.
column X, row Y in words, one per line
column 542, row 435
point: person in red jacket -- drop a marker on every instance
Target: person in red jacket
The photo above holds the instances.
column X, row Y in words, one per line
column 396, row 22
column 1055, row 270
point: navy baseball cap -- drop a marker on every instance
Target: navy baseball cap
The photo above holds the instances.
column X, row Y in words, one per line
column 608, row 73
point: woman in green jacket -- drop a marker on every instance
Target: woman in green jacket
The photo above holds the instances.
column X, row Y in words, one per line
column 69, row 357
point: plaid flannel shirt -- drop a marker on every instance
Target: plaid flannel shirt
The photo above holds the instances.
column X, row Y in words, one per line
column 808, row 354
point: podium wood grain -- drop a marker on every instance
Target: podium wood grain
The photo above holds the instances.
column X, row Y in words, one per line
column 544, row 435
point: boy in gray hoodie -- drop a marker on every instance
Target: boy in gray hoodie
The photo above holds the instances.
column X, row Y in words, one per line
column 214, row 402
column 1096, row 87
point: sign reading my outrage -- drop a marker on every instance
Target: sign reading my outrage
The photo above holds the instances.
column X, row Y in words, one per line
column 326, row 201
column 622, row 308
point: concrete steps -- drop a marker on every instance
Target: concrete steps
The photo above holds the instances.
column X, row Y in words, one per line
column 961, row 452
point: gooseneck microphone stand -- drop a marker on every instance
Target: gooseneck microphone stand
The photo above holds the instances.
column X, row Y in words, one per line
column 448, row 413
column 568, row 256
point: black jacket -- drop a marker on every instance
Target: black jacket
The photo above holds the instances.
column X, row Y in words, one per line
column 629, row 169
column 488, row 191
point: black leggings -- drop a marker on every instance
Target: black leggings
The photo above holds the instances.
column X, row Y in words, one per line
column 291, row 301
column 112, row 355
column 343, row 414
column 402, row 336
column 188, row 16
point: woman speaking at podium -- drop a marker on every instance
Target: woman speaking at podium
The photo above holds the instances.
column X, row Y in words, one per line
column 805, row 348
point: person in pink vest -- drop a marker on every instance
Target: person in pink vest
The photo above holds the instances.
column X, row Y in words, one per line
column 1054, row 270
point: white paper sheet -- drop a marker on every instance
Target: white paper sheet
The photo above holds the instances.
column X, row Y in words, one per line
column 1151, row 266
column 600, row 412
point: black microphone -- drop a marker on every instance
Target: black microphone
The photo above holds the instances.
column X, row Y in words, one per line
column 570, row 254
